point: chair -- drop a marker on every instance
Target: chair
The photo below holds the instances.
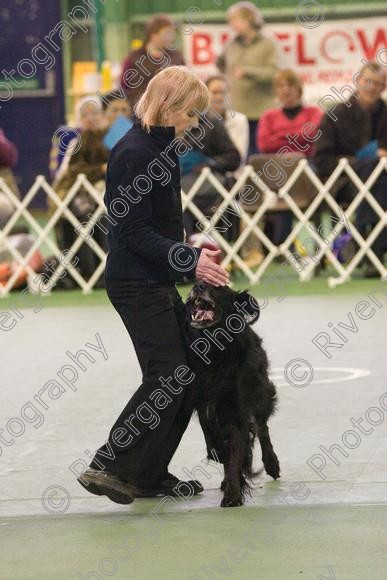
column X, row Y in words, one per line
column 303, row 191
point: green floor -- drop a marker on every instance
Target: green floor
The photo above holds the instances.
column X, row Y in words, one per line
column 317, row 286
column 338, row 531
column 274, row 543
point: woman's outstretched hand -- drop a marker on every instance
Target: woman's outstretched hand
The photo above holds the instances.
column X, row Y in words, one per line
column 209, row 271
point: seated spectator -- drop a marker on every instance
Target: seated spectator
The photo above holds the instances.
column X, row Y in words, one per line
column 281, row 131
column 117, row 112
column 157, row 53
column 87, row 117
column 237, row 127
column 8, row 159
column 90, row 159
column 357, row 129
column 283, row 127
column 115, row 106
column 219, row 153
column 236, row 124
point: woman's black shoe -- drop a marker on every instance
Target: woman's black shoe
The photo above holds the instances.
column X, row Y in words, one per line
column 168, row 487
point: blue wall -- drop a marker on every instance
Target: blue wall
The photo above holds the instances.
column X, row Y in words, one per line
column 30, row 117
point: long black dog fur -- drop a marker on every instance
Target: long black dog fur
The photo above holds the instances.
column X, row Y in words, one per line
column 233, row 394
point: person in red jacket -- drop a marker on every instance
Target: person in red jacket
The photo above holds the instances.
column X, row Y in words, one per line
column 281, row 132
column 283, row 127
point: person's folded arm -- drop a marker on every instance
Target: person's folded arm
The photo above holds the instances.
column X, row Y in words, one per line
column 268, row 68
column 266, row 139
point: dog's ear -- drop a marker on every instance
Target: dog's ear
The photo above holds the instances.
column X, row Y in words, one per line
column 247, row 306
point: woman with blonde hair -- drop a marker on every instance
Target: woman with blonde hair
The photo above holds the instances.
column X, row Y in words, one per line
column 146, row 257
column 250, row 62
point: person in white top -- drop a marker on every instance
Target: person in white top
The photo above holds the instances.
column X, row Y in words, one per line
column 236, row 124
column 237, row 127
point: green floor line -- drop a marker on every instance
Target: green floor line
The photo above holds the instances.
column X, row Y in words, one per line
column 317, row 286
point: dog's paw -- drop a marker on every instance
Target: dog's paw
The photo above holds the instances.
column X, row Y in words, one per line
column 272, row 466
column 231, row 501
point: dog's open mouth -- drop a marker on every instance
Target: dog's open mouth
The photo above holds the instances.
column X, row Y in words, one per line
column 202, row 310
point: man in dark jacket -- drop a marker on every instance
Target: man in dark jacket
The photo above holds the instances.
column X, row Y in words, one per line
column 357, row 129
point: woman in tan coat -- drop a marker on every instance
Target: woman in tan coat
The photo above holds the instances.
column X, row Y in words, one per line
column 250, row 62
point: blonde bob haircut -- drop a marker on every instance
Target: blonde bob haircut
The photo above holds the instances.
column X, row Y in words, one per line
column 174, row 89
column 247, row 11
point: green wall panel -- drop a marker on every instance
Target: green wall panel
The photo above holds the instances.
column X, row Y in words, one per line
column 123, row 20
column 126, row 10
column 134, row 7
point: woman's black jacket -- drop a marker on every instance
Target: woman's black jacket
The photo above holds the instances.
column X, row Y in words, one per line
column 143, row 201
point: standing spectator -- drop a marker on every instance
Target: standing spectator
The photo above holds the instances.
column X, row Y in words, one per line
column 357, row 129
column 141, row 65
column 235, row 123
column 250, row 61
column 8, row 159
column 289, row 119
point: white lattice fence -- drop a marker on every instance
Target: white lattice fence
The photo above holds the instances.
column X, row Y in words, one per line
column 303, row 219
column 43, row 235
column 252, row 223
column 324, row 195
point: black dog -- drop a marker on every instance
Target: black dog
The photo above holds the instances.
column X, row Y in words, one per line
column 234, row 396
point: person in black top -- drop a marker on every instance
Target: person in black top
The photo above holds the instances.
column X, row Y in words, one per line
column 214, row 149
column 147, row 255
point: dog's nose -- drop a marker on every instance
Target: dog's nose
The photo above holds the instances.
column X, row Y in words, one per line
column 201, row 286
